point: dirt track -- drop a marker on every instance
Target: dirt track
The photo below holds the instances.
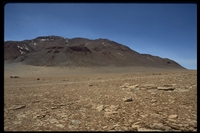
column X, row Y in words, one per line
column 135, row 101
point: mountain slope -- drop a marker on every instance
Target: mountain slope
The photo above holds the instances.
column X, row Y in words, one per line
column 59, row 51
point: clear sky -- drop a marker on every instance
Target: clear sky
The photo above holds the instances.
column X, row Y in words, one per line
column 165, row 30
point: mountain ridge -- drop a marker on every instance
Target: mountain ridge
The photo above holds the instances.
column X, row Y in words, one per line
column 60, row 51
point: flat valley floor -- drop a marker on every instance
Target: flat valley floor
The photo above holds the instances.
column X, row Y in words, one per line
column 99, row 99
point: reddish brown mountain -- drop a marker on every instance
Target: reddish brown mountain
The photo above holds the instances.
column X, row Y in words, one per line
column 59, row 51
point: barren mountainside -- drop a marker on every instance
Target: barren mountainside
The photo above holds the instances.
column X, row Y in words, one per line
column 59, row 51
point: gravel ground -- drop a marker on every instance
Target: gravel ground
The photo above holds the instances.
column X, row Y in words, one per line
column 135, row 101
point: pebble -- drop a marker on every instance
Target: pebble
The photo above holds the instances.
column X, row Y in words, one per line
column 76, row 122
column 172, row 116
column 135, row 127
column 129, row 99
column 166, row 88
column 54, row 107
column 157, row 126
column 60, row 125
column 147, row 130
column 53, row 121
column 100, row 108
column 18, row 107
column 116, row 125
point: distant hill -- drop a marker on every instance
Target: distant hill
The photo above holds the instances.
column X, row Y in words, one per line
column 59, row 51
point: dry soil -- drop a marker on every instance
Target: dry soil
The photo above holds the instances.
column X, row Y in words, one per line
column 99, row 99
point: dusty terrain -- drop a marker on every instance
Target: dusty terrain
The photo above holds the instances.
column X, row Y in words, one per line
column 99, row 99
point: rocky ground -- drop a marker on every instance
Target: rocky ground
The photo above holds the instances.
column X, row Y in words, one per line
column 148, row 101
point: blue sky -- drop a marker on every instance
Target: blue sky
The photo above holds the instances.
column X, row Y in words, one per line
column 165, row 30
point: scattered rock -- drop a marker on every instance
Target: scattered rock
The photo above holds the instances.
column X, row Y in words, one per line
column 100, row 108
column 168, row 85
column 147, row 130
column 174, row 126
column 17, row 107
column 134, row 86
column 157, row 126
column 130, row 121
column 129, row 87
column 60, row 125
column 13, row 76
column 54, row 107
column 172, row 116
column 53, row 121
column 113, row 108
column 128, row 99
column 172, row 120
column 76, row 122
column 70, row 126
column 41, row 116
column 193, row 123
column 135, row 127
column 116, row 125
column 136, row 123
column 143, row 116
column 166, row 88
column 62, row 104
column 104, row 127
column 107, row 114
column 153, row 100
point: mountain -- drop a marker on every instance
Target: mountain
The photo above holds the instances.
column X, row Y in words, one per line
column 59, row 51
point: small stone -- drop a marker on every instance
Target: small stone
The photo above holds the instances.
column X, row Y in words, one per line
column 107, row 114
column 104, row 127
column 135, row 127
column 153, row 100
column 193, row 123
column 70, row 126
column 147, row 130
column 134, row 86
column 136, row 123
column 54, row 107
column 38, row 78
column 116, row 125
column 172, row 120
column 100, row 108
column 13, row 76
column 143, row 116
column 130, row 121
column 76, row 122
column 125, row 128
column 53, row 121
column 113, row 108
column 60, row 125
column 172, row 116
column 127, row 99
column 18, row 107
column 157, row 126
column 191, row 129
column 153, row 94
column 41, row 116
column 166, row 88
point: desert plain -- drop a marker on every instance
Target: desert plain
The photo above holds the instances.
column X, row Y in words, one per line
column 99, row 99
